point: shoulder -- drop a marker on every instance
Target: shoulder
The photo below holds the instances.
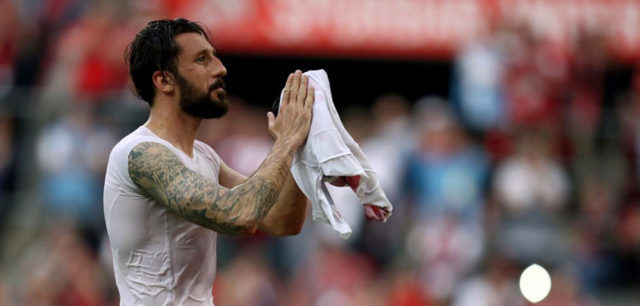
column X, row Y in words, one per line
column 119, row 156
column 150, row 153
column 124, row 147
column 117, row 172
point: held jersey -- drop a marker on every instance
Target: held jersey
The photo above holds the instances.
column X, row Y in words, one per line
column 158, row 257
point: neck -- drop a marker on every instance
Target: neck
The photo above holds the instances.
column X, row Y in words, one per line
column 170, row 123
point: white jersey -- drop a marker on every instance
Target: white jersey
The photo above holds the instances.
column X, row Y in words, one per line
column 158, row 257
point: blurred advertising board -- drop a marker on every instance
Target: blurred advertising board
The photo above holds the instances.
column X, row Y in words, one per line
column 406, row 28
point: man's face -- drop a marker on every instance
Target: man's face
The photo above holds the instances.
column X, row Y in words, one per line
column 199, row 78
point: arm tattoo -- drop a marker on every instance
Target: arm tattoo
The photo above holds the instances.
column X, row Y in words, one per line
column 163, row 177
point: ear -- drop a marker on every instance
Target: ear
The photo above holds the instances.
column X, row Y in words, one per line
column 164, row 81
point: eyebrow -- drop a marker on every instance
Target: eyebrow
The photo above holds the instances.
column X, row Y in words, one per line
column 206, row 51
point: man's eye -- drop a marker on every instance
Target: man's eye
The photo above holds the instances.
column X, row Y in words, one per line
column 200, row 59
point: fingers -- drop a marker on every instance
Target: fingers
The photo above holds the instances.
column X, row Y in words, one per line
column 287, row 90
column 271, row 122
column 302, row 91
column 295, row 87
column 297, row 91
column 270, row 119
column 296, row 105
column 311, row 95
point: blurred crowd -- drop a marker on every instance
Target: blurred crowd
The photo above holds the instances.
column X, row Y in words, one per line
column 534, row 157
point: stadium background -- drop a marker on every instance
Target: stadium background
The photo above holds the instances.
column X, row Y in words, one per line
column 504, row 132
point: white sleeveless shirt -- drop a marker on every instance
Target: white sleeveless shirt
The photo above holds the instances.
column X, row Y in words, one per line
column 158, row 257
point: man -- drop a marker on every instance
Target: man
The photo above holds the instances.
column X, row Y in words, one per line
column 166, row 194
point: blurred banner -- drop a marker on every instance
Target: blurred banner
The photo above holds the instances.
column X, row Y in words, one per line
column 406, row 28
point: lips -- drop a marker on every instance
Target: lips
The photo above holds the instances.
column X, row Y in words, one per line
column 218, row 84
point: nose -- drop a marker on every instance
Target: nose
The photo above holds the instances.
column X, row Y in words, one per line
column 218, row 68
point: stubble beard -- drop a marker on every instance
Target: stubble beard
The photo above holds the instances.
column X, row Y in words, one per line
column 201, row 104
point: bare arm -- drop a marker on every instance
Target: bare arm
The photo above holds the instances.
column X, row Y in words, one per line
column 287, row 216
column 239, row 210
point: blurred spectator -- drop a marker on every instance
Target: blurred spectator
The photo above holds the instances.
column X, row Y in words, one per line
column 446, row 172
column 534, row 74
column 8, row 45
column 627, row 261
column 27, row 55
column 80, row 70
column 444, row 250
column 7, row 166
column 477, row 85
column 495, row 286
column 404, row 288
column 629, row 117
column 445, row 179
column 258, row 282
column 584, row 114
column 61, row 270
column 532, row 177
column 389, row 141
column 72, row 153
column 565, row 290
column 4, row 293
column 333, row 276
column 386, row 147
column 593, row 250
column 585, row 86
column 99, row 73
column 532, row 191
column 40, row 23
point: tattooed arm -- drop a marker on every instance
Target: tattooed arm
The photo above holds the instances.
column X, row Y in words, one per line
column 236, row 211
column 286, row 217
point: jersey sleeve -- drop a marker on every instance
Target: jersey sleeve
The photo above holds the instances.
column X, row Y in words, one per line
column 117, row 174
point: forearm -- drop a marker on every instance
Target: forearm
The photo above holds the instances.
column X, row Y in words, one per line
column 275, row 168
column 237, row 211
column 288, row 214
column 269, row 183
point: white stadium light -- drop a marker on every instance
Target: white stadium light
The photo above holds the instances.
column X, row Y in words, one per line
column 535, row 283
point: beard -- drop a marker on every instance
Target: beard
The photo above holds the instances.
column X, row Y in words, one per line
column 200, row 104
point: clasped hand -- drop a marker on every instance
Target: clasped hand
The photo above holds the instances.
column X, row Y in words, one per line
column 294, row 114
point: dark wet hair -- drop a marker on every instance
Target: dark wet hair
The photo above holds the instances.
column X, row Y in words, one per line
column 154, row 49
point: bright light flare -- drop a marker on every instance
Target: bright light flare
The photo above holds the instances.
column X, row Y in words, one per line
column 535, row 283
